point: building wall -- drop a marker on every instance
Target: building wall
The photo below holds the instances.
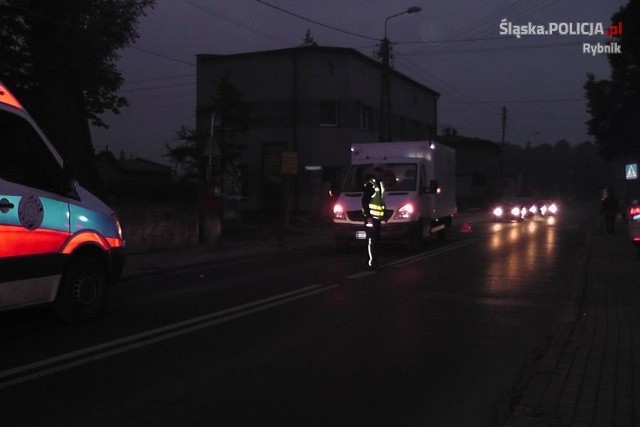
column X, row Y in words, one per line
column 286, row 88
column 477, row 170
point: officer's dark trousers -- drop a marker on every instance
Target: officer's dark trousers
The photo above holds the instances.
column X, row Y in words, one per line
column 373, row 236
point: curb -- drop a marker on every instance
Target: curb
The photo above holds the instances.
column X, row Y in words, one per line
column 530, row 411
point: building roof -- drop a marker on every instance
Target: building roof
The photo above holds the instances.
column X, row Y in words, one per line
column 314, row 48
column 453, row 140
column 142, row 165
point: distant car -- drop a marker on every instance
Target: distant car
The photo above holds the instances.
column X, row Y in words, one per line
column 532, row 207
column 634, row 223
column 548, row 208
column 512, row 209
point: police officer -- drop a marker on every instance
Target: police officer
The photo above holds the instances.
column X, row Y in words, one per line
column 373, row 210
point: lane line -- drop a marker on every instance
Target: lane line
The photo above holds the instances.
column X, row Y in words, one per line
column 73, row 359
column 360, row 275
column 419, row 257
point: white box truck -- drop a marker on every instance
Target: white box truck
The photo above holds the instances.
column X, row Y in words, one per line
column 421, row 201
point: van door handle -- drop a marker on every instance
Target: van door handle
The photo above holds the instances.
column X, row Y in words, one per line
column 5, row 205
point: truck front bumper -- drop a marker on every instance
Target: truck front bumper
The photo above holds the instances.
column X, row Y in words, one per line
column 394, row 231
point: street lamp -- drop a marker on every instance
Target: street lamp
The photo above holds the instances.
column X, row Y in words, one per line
column 412, row 9
column 385, row 87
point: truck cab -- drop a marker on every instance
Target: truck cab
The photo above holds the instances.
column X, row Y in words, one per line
column 419, row 199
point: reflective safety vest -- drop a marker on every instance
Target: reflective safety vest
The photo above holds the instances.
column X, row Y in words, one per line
column 376, row 204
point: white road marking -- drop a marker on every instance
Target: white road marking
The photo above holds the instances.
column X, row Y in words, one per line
column 24, row 373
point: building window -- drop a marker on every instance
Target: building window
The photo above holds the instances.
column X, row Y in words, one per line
column 365, row 117
column 329, row 113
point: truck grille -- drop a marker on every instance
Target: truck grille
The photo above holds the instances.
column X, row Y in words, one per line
column 357, row 216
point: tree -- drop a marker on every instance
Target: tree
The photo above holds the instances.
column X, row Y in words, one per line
column 60, row 58
column 614, row 104
column 188, row 156
column 232, row 118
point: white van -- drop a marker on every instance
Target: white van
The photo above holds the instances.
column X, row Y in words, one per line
column 59, row 244
column 421, row 201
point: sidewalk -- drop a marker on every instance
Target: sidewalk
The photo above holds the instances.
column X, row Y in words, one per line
column 240, row 241
column 237, row 242
column 590, row 374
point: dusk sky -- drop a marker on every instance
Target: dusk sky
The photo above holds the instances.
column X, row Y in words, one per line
column 454, row 47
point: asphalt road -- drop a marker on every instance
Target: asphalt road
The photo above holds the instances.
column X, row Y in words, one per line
column 438, row 338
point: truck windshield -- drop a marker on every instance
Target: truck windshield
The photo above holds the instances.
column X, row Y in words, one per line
column 405, row 177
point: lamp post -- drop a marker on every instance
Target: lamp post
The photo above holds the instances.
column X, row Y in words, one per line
column 385, row 87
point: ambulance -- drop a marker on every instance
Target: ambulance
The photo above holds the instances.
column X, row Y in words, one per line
column 59, row 244
column 420, row 199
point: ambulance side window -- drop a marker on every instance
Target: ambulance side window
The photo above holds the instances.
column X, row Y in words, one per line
column 24, row 157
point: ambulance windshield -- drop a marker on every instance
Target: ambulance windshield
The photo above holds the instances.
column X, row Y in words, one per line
column 401, row 176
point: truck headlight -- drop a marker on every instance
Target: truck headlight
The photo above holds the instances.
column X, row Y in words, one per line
column 404, row 212
column 338, row 212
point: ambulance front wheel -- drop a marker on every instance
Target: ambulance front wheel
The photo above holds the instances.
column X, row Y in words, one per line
column 83, row 290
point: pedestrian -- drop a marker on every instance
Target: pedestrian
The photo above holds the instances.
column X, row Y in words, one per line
column 610, row 208
column 373, row 209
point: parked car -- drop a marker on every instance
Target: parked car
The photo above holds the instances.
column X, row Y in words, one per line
column 634, row 223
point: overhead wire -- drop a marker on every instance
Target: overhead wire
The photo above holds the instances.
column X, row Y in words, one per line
column 233, row 21
column 313, row 21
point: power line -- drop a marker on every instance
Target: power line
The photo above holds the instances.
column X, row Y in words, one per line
column 316, row 22
column 235, row 22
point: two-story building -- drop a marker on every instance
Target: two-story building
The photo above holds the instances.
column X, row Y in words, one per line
column 313, row 101
column 478, row 169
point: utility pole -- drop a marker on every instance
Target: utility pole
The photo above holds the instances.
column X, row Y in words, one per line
column 385, row 85
column 501, row 179
column 504, row 124
column 385, row 92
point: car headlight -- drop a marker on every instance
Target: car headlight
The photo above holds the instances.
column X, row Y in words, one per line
column 516, row 211
column 498, row 211
column 404, row 212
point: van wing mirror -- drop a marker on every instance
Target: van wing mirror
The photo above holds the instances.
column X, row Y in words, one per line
column 69, row 176
column 432, row 188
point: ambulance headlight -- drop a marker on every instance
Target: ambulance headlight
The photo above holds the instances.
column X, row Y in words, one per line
column 116, row 221
column 404, row 212
column 338, row 212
